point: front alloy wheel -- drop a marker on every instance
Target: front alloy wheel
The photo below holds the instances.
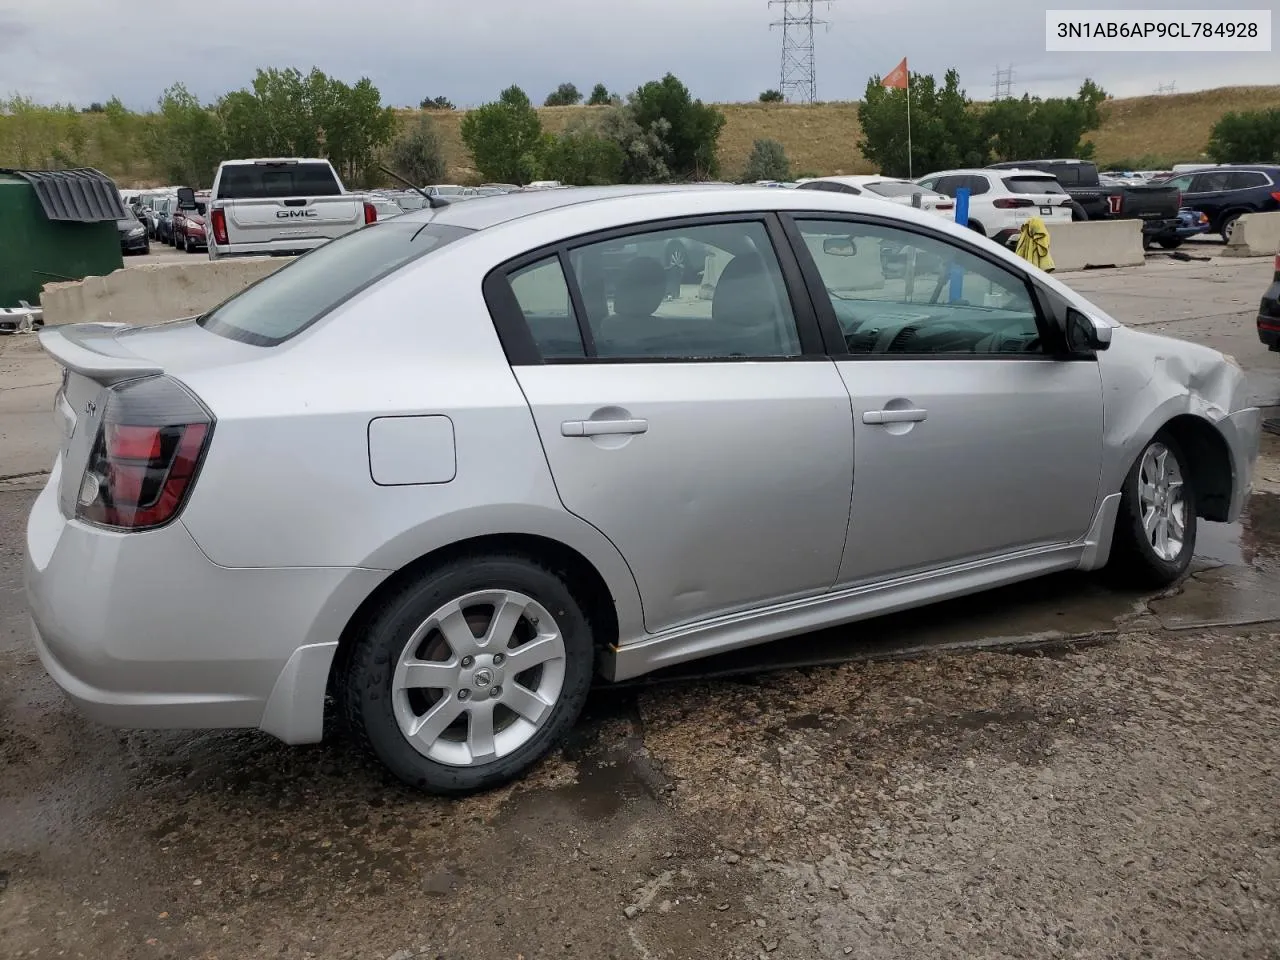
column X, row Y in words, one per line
column 1155, row 533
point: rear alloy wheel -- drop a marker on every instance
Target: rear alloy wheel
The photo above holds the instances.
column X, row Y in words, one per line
column 1155, row 534
column 1229, row 226
column 465, row 679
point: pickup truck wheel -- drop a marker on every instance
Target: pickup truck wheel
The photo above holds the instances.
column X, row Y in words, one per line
column 977, row 227
column 1170, row 243
column 1078, row 213
column 1228, row 226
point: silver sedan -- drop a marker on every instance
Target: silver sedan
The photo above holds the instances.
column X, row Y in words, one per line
column 448, row 467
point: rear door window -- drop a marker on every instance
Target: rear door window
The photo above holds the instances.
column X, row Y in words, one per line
column 260, row 181
column 288, row 301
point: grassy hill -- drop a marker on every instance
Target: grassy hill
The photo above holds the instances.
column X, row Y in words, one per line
column 1155, row 131
column 823, row 138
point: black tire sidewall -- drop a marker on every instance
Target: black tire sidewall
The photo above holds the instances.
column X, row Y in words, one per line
column 369, row 672
column 1141, row 556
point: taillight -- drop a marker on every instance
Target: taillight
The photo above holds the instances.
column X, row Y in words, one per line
column 149, row 447
column 1278, row 266
column 1275, row 195
column 1114, row 203
column 1008, row 203
column 1065, row 203
column 218, row 220
column 370, row 213
column 944, row 206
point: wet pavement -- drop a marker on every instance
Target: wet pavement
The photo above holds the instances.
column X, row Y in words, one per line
column 784, row 811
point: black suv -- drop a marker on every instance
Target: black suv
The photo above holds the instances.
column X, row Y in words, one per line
column 1226, row 193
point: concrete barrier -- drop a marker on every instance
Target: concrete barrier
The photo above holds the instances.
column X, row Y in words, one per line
column 1255, row 235
column 1095, row 243
column 153, row 292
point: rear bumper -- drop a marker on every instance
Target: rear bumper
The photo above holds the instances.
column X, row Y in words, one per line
column 273, row 248
column 1269, row 317
column 143, row 630
column 1161, row 228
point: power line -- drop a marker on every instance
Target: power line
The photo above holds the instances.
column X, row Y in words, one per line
column 1004, row 83
column 798, row 78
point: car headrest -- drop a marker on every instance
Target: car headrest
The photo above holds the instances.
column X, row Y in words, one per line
column 639, row 288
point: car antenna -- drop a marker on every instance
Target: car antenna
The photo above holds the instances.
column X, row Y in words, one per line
column 435, row 203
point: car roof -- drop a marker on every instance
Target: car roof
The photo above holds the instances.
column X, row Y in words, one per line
column 482, row 212
column 858, row 178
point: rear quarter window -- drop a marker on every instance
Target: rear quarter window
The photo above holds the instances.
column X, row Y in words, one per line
column 288, row 301
column 259, row 181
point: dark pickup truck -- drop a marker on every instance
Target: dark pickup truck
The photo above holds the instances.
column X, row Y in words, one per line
column 1156, row 206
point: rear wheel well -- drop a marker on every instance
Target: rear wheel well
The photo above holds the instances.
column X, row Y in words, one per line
column 1209, row 460
column 580, row 576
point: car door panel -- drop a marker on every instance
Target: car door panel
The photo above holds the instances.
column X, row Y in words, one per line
column 733, row 492
column 1002, row 455
column 709, row 437
column 970, row 440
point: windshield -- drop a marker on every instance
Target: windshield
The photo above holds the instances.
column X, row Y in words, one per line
column 261, row 181
column 288, row 301
column 892, row 188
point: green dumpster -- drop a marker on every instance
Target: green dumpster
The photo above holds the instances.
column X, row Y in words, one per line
column 55, row 225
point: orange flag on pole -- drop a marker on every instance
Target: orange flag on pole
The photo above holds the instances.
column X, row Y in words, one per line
column 898, row 78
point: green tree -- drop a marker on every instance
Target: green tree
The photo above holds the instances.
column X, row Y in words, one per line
column 418, row 153
column 1032, row 127
column 187, row 141
column 771, row 96
column 436, row 103
column 945, row 132
column 287, row 113
column 582, row 156
column 768, row 161
column 693, row 128
column 1251, row 136
column 646, row 155
column 505, row 138
column 565, row 95
column 600, row 96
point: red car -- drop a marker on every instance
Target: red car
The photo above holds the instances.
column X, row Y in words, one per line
column 189, row 225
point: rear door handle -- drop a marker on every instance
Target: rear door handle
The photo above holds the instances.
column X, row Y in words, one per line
column 599, row 428
column 893, row 416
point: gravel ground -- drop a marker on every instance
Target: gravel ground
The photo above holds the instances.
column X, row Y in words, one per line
column 1115, row 799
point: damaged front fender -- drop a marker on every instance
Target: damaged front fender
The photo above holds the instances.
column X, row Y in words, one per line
column 1152, row 383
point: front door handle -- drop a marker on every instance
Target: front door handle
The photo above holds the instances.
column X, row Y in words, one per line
column 600, row 428
column 893, row 416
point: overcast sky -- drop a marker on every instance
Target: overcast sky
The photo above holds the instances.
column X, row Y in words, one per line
column 86, row 50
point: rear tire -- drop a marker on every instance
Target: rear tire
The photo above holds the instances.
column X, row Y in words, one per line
column 1155, row 532
column 1228, row 225
column 469, row 716
column 1170, row 243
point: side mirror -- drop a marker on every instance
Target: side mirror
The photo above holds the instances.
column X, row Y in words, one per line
column 839, row 247
column 1085, row 332
column 186, row 198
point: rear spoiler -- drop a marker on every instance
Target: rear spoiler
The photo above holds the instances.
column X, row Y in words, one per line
column 92, row 350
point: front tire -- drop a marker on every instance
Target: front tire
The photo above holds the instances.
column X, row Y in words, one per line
column 1155, row 534
column 465, row 678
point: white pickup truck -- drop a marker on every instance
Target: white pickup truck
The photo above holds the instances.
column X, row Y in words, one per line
column 279, row 207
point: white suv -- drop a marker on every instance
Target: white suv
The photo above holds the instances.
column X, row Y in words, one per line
column 1001, row 201
column 884, row 188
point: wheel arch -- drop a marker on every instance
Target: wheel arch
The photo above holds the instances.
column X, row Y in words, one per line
column 1209, row 461
column 581, row 576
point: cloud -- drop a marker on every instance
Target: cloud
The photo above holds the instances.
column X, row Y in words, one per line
column 86, row 50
